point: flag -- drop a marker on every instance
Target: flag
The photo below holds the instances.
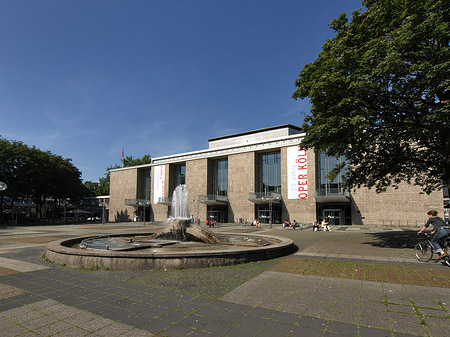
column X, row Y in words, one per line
column 122, row 155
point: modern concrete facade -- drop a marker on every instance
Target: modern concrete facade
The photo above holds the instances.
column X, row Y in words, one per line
column 260, row 174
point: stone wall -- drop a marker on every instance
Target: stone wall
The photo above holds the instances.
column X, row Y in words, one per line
column 196, row 184
column 241, row 182
column 123, row 185
column 405, row 206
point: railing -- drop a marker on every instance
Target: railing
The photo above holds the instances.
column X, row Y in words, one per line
column 165, row 201
column 137, row 202
column 269, row 196
column 323, row 192
column 212, row 197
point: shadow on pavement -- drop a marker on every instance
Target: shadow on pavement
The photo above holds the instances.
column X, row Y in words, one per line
column 395, row 239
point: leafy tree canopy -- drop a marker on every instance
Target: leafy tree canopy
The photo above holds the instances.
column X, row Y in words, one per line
column 380, row 94
column 102, row 187
column 38, row 175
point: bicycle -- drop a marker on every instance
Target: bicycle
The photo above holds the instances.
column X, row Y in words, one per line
column 424, row 250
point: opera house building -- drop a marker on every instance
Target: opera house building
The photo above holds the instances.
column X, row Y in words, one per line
column 265, row 175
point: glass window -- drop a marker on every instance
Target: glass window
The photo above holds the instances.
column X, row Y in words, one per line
column 326, row 165
column 147, row 183
column 270, row 172
column 221, row 177
column 180, row 174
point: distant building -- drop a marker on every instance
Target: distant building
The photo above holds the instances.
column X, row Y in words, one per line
column 265, row 175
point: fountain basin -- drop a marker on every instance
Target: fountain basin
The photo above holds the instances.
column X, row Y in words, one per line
column 170, row 257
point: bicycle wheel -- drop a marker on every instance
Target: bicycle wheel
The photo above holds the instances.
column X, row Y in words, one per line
column 447, row 261
column 423, row 251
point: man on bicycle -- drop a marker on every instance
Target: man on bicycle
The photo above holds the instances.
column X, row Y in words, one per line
column 440, row 229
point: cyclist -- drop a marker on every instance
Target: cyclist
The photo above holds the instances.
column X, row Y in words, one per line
column 440, row 229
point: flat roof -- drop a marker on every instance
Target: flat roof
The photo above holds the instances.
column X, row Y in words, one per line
column 257, row 131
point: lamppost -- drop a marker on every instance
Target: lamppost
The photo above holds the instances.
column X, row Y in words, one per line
column 270, row 212
column 2, row 188
column 103, row 212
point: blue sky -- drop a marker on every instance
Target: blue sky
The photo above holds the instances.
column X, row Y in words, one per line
column 84, row 79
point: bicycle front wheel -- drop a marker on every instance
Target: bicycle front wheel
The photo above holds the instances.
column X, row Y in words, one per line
column 423, row 251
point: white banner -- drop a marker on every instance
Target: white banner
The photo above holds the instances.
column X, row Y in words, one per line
column 160, row 183
column 297, row 166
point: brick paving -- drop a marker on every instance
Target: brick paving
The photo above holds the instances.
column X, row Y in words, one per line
column 51, row 300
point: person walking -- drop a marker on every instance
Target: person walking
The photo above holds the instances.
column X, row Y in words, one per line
column 440, row 229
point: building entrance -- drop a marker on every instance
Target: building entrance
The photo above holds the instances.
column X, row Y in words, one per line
column 338, row 214
column 334, row 216
column 218, row 214
column 264, row 214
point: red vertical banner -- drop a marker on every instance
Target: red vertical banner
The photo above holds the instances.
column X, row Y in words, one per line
column 297, row 166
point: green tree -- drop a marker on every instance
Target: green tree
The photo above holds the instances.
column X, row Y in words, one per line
column 380, row 92
column 32, row 173
column 102, row 187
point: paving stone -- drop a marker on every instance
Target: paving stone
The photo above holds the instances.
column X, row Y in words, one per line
column 156, row 325
column 20, row 311
column 137, row 333
column 399, row 334
column 188, row 307
column 202, row 301
column 53, row 328
column 253, row 322
column 15, row 330
column 208, row 311
column 9, row 306
column 285, row 317
column 312, row 322
column 103, row 309
column 193, row 321
column 372, row 332
column 137, row 319
column 240, row 331
column 118, row 314
column 229, row 316
column 263, row 333
column 28, row 317
column 301, row 331
column 81, row 317
column 282, row 328
column 4, row 323
column 97, row 323
column 174, row 316
column 406, row 323
column 113, row 329
column 260, row 312
column 342, row 328
column 438, row 330
column 73, row 332
column 88, row 305
column 377, row 320
column 216, row 327
column 200, row 333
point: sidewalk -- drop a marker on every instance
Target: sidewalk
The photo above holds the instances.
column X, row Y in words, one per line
column 38, row 298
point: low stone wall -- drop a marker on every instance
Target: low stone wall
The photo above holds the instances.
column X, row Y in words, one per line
column 61, row 252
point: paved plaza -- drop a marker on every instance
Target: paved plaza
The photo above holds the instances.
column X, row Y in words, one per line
column 268, row 298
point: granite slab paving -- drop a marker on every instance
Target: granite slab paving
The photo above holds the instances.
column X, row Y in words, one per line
column 59, row 301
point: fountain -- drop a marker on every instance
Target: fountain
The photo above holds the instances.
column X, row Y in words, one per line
column 181, row 244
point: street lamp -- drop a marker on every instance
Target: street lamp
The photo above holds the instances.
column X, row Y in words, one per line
column 102, row 204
